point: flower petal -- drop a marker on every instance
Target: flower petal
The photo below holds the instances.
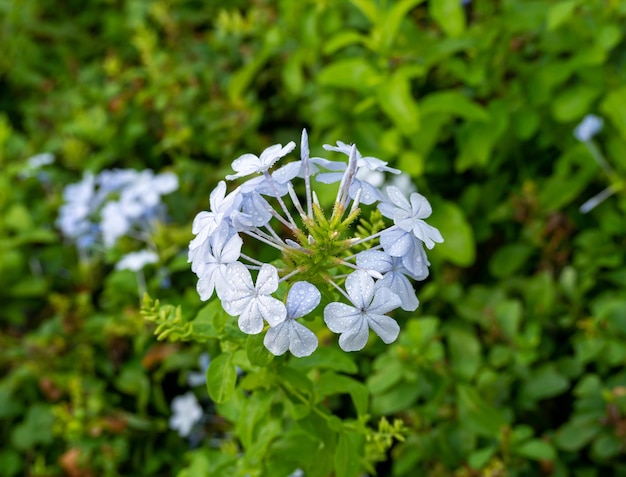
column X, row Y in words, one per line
column 302, row 299
column 272, row 310
column 267, row 280
column 397, row 197
column 384, row 301
column 360, row 288
column 302, row 341
column 385, row 327
column 251, row 321
column 355, row 338
column 276, row 339
column 340, row 317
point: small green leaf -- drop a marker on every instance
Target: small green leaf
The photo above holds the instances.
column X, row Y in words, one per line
column 348, row 455
column 479, row 458
column 560, row 13
column 257, row 352
column 536, row 449
column 350, row 73
column 332, row 383
column 397, row 102
column 454, row 103
column 221, row 378
column 450, row 16
column 509, row 259
column 613, row 107
column 327, row 358
column 577, row 433
column 544, row 382
column 464, row 351
column 476, row 415
column 572, row 103
column 458, row 246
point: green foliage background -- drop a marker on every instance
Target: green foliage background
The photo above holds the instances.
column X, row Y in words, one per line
column 514, row 363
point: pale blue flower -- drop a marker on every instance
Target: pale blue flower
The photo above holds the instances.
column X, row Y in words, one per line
column 252, row 303
column 302, row 299
column 394, row 276
column 588, row 127
column 250, row 164
column 401, row 243
column 410, row 216
column 135, row 261
column 186, row 413
column 221, row 206
column 367, row 311
column 210, row 260
column 253, row 212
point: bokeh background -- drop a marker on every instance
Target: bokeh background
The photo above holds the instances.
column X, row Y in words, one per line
column 514, row 363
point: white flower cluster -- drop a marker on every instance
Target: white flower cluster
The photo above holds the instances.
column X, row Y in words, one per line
column 100, row 209
column 319, row 252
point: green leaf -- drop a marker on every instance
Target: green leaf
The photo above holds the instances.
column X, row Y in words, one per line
column 257, row 352
column 36, row 428
column 574, row 102
column 397, row 102
column 458, row 246
column 454, row 103
column 350, row 73
column 206, row 325
column 544, row 382
column 387, row 29
column 331, row 383
column 479, row 458
column 398, row 398
column 368, row 8
column 450, row 16
column 464, row 352
column 560, row 13
column 509, row 259
column 348, row 455
column 613, row 107
column 536, row 449
column 476, row 415
column 295, row 380
column 577, row 433
column 327, row 358
column 221, row 378
column 509, row 314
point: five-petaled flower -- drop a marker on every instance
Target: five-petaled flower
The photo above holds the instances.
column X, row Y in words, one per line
column 367, row 311
column 302, row 299
column 253, row 303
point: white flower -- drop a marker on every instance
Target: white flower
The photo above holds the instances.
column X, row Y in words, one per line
column 221, row 205
column 135, row 261
column 409, row 216
column 394, row 276
column 588, row 127
column 115, row 224
column 186, row 413
column 249, row 163
column 404, row 244
column 210, row 260
column 368, row 309
column 252, row 303
column 301, row 300
column 39, row 160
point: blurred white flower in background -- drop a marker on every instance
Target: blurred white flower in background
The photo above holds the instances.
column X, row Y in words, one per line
column 588, row 127
column 135, row 261
column 186, row 413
